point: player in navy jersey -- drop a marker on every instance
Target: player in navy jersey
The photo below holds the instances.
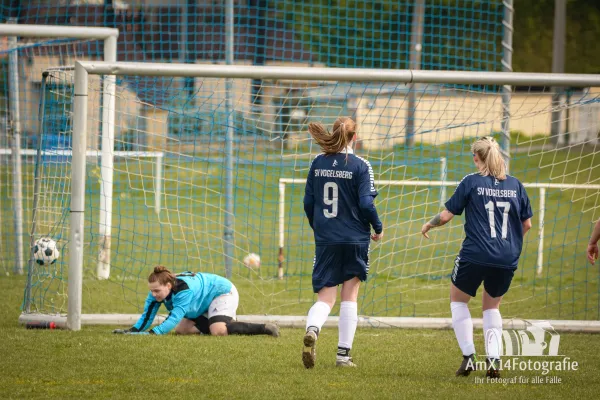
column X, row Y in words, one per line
column 338, row 203
column 197, row 303
column 497, row 216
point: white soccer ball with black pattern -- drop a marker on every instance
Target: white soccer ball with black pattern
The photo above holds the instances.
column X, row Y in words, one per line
column 45, row 251
column 252, row 260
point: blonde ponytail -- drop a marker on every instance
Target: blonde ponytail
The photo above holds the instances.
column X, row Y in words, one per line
column 492, row 162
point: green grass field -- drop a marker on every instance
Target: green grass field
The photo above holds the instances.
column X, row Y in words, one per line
column 409, row 277
column 393, row 363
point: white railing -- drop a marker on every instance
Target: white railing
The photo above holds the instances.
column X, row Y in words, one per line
column 158, row 166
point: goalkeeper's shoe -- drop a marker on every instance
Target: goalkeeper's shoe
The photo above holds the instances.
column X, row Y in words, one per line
column 344, row 362
column 272, row 329
column 467, row 365
column 309, row 352
column 493, row 368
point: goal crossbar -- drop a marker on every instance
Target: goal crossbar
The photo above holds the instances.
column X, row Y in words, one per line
column 341, row 74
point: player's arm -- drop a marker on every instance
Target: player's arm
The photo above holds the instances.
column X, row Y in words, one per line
column 526, row 212
column 150, row 309
column 592, row 250
column 526, row 225
column 368, row 210
column 309, row 199
column 454, row 206
column 366, row 200
column 440, row 219
column 181, row 303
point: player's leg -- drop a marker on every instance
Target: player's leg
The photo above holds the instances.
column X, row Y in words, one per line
column 347, row 322
column 356, row 268
column 325, row 278
column 317, row 315
column 192, row 326
column 218, row 325
column 492, row 333
column 221, row 318
column 466, row 279
column 246, row 328
column 496, row 283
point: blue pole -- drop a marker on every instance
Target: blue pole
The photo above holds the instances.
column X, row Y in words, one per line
column 228, row 231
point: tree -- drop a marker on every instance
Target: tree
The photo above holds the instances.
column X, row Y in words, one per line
column 532, row 41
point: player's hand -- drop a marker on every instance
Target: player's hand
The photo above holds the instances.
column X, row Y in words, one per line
column 592, row 253
column 121, row 331
column 424, row 229
column 376, row 237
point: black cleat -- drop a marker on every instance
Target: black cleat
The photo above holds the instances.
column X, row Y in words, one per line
column 493, row 368
column 466, row 366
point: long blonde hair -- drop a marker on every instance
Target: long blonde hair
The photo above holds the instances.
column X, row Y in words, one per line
column 344, row 129
column 492, row 163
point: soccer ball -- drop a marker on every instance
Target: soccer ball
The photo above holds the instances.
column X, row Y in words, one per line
column 45, row 251
column 252, row 260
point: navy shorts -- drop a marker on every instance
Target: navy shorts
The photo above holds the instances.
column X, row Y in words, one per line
column 337, row 263
column 468, row 276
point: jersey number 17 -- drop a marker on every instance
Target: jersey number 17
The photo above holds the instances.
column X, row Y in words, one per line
column 489, row 206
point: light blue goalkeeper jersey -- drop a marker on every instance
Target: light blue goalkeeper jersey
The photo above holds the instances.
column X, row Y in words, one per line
column 190, row 298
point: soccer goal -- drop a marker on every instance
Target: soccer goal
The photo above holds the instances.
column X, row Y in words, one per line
column 31, row 50
column 227, row 153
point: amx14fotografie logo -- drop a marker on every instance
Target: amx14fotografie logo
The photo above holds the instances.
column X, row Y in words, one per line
column 522, row 349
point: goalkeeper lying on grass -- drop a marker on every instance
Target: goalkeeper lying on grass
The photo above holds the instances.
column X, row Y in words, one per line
column 198, row 303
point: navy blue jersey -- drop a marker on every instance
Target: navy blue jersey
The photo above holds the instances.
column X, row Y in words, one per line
column 494, row 212
column 338, row 199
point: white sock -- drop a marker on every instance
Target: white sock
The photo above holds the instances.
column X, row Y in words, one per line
column 463, row 327
column 347, row 324
column 317, row 315
column 492, row 332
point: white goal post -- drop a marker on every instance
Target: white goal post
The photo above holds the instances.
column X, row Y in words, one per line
column 80, row 118
column 109, row 37
column 441, row 184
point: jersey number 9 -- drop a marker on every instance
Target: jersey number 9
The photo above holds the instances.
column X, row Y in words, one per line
column 330, row 200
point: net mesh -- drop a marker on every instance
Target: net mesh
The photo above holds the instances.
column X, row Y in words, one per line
column 455, row 35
